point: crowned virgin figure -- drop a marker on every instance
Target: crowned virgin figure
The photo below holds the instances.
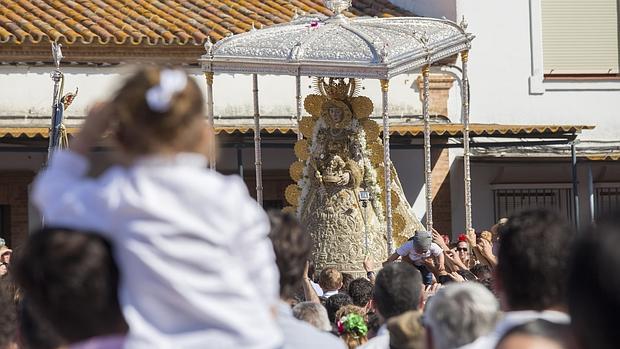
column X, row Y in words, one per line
column 339, row 197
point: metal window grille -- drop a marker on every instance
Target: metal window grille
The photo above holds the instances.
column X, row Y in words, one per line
column 510, row 201
column 5, row 215
column 607, row 200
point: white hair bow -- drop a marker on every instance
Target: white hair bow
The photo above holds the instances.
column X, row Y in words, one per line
column 159, row 96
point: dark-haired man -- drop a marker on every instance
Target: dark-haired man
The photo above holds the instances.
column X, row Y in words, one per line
column 292, row 248
column 360, row 291
column 531, row 275
column 71, row 280
column 594, row 286
column 398, row 289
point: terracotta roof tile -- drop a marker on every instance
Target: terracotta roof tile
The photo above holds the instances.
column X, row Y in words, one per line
column 155, row 22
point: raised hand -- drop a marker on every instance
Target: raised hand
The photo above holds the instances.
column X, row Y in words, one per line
column 368, row 264
column 456, row 277
column 485, row 247
column 438, row 239
column 471, row 237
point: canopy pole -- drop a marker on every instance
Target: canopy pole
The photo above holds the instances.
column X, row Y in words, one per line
column 257, row 143
column 575, row 181
column 239, row 147
column 591, row 195
column 427, row 148
column 387, row 162
column 466, row 152
column 57, row 106
column 209, row 78
column 298, row 98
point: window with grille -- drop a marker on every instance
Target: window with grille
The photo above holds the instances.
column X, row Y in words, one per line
column 511, row 199
column 580, row 37
column 5, row 223
column 607, row 199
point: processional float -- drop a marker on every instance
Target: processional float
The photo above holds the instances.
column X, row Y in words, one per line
column 347, row 195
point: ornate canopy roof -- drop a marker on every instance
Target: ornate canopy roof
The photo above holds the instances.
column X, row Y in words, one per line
column 337, row 46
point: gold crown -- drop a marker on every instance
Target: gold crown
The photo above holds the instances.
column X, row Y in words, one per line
column 337, row 88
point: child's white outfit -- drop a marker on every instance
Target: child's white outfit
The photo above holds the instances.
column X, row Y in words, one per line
column 197, row 268
column 407, row 249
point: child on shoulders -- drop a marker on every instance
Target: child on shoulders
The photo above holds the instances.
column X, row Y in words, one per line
column 197, row 268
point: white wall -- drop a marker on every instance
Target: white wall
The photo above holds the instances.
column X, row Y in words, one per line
column 429, row 8
column 26, row 91
column 501, row 63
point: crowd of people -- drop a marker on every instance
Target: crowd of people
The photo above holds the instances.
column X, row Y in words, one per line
column 160, row 252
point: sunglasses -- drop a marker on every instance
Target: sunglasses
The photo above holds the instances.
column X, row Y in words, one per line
column 464, row 249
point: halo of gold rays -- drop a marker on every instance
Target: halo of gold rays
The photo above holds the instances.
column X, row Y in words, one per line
column 376, row 152
column 313, row 104
column 372, row 130
column 289, row 210
column 292, row 194
column 398, row 223
column 394, row 197
column 380, row 170
column 306, row 127
column 362, row 107
column 296, row 170
column 302, row 149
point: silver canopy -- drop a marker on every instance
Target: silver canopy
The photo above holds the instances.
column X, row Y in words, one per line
column 377, row 48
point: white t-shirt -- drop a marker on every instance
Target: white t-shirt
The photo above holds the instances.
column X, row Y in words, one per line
column 407, row 249
column 191, row 244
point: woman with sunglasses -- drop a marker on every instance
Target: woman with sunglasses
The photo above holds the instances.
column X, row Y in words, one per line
column 463, row 251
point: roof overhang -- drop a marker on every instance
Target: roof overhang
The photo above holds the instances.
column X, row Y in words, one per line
column 412, row 130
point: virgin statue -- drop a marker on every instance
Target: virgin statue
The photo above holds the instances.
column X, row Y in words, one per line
column 339, row 197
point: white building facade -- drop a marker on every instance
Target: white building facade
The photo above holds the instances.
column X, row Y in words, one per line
column 513, row 82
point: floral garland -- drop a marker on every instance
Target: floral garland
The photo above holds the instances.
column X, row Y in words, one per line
column 304, row 181
column 352, row 324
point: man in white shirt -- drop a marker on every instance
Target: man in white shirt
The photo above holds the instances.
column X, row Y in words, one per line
column 292, row 248
column 310, row 275
column 398, row 289
column 416, row 250
column 531, row 275
column 330, row 281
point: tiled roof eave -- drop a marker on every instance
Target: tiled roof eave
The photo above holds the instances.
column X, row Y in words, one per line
column 158, row 23
column 81, row 53
column 98, row 40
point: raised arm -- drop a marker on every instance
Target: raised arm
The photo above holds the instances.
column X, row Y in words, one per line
column 401, row 251
column 309, row 292
column 391, row 258
column 441, row 266
column 62, row 192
